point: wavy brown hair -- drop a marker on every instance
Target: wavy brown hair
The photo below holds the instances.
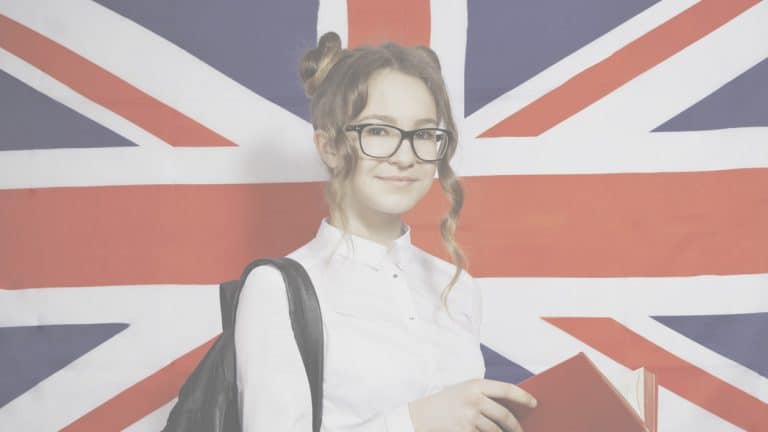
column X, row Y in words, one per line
column 337, row 79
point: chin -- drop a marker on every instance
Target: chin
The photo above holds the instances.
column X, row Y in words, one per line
column 398, row 208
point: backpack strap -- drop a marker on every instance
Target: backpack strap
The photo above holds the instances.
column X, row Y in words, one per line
column 306, row 320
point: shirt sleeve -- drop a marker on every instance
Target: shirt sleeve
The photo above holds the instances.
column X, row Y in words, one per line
column 272, row 384
column 477, row 319
column 477, row 308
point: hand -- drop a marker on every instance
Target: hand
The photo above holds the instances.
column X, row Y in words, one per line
column 468, row 407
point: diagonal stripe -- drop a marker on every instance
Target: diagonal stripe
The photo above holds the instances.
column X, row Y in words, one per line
column 143, row 397
column 174, row 76
column 64, row 128
column 403, row 21
column 535, row 36
column 638, row 106
column 677, row 224
column 30, row 354
column 740, row 337
column 742, row 102
column 237, row 38
column 155, row 338
column 608, row 75
column 672, row 372
column 104, row 88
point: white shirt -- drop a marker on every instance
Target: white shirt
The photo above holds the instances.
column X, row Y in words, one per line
column 388, row 340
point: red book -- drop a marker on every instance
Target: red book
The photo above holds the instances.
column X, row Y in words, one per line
column 574, row 396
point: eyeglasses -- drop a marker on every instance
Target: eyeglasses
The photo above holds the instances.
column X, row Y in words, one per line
column 383, row 140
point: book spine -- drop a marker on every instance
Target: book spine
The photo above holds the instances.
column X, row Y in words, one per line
column 651, row 394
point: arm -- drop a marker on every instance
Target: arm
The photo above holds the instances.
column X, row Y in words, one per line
column 477, row 313
column 272, row 384
column 477, row 308
column 273, row 387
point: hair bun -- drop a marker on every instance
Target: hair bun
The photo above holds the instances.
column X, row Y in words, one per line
column 431, row 54
column 318, row 61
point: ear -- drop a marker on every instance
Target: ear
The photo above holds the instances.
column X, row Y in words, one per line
column 325, row 149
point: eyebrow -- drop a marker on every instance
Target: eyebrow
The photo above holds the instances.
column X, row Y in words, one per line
column 389, row 119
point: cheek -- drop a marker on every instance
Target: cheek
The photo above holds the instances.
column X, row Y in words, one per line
column 429, row 175
column 425, row 185
column 431, row 172
column 364, row 181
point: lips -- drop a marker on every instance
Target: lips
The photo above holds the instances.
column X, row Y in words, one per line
column 398, row 179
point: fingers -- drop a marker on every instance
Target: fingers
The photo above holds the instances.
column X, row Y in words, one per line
column 507, row 391
column 483, row 424
column 501, row 416
column 495, row 417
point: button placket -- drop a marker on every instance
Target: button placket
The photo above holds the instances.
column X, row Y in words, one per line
column 402, row 292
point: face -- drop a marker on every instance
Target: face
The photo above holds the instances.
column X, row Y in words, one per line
column 403, row 101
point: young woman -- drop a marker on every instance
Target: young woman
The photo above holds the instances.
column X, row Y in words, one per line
column 401, row 326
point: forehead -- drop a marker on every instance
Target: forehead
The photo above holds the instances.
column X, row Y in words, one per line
column 401, row 97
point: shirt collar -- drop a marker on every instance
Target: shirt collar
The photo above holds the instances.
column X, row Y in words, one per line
column 364, row 250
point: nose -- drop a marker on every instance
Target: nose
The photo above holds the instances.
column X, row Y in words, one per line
column 404, row 154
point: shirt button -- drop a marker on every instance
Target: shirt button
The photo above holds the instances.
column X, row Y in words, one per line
column 394, row 275
column 410, row 318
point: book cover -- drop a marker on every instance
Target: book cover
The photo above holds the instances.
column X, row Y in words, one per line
column 574, row 396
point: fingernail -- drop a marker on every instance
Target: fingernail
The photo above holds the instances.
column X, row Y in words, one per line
column 534, row 403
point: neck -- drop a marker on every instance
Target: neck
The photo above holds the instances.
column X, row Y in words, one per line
column 380, row 227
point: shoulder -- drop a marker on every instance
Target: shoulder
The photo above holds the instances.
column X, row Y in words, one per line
column 265, row 275
column 465, row 298
column 436, row 267
column 267, row 280
column 262, row 298
column 437, row 273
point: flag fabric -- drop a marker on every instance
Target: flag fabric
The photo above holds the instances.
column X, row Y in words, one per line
column 614, row 156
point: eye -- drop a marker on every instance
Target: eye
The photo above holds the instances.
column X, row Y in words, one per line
column 377, row 131
column 427, row 134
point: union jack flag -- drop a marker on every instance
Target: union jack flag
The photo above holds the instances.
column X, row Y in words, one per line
column 614, row 155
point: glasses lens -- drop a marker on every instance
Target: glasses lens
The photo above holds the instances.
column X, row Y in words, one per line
column 381, row 141
column 430, row 143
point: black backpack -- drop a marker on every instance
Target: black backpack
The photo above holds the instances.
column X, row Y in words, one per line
column 208, row 400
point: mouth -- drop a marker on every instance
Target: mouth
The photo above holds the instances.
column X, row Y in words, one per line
column 401, row 180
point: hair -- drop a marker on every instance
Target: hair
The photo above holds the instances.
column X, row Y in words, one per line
column 336, row 81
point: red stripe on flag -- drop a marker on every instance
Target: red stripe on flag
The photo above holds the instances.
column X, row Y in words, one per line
column 599, row 225
column 673, row 373
column 618, row 225
column 622, row 66
column 104, row 88
column 142, row 398
column 93, row 236
column 406, row 22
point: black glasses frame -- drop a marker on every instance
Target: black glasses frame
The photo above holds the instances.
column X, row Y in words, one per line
column 404, row 134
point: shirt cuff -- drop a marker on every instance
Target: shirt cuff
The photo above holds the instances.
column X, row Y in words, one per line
column 399, row 420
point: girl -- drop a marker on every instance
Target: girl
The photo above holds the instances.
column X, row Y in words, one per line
column 401, row 354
